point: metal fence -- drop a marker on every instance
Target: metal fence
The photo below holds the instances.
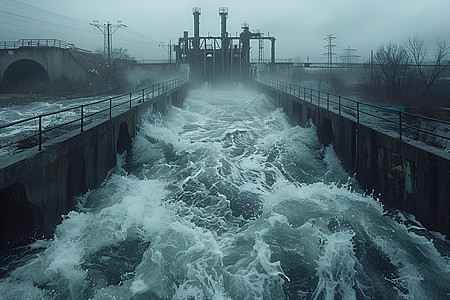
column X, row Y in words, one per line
column 34, row 131
column 12, row 45
column 431, row 131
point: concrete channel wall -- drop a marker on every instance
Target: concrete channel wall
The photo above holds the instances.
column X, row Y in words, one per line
column 38, row 187
column 411, row 176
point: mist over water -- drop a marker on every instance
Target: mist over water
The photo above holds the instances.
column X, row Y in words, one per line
column 225, row 199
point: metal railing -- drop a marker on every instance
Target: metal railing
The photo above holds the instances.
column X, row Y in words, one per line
column 34, row 131
column 431, row 131
column 269, row 61
column 154, row 61
column 11, row 45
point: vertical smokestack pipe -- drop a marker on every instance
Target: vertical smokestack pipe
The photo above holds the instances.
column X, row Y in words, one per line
column 273, row 50
column 223, row 13
column 196, row 11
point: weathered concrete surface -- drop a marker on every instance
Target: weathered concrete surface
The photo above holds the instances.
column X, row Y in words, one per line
column 57, row 62
column 38, row 187
column 411, row 176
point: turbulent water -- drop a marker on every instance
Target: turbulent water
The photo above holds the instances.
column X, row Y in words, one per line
column 225, row 199
column 18, row 111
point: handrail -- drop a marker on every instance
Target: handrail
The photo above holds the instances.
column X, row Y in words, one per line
column 142, row 94
column 12, row 45
column 403, row 127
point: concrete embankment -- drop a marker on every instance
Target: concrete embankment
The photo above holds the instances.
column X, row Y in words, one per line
column 409, row 175
column 38, row 187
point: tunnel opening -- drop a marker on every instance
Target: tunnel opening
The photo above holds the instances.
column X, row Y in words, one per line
column 124, row 141
column 25, row 76
column 18, row 217
column 326, row 132
column 75, row 180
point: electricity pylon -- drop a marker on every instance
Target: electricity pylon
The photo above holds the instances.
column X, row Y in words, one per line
column 108, row 31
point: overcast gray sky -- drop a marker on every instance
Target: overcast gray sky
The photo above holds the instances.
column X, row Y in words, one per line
column 300, row 26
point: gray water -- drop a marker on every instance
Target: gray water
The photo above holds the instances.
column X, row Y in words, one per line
column 225, row 199
column 19, row 111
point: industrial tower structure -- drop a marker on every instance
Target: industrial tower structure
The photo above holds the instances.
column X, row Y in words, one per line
column 219, row 57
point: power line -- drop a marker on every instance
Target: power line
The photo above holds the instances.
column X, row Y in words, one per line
column 46, row 22
column 38, row 10
column 55, row 19
column 145, row 38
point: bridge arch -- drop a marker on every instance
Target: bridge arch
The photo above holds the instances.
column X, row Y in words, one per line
column 24, row 76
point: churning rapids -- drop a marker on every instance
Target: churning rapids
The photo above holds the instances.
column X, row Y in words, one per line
column 225, row 199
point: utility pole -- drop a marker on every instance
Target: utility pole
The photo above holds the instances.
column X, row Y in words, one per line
column 330, row 46
column 371, row 65
column 168, row 48
column 107, row 36
column 108, row 29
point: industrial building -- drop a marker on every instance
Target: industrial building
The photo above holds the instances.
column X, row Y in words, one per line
column 213, row 58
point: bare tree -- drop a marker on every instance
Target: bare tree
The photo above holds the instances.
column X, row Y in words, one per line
column 120, row 60
column 392, row 62
column 120, row 54
column 428, row 72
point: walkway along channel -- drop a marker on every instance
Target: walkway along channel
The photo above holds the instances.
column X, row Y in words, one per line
column 402, row 156
column 66, row 159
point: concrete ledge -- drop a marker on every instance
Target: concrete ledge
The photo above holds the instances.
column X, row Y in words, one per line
column 410, row 175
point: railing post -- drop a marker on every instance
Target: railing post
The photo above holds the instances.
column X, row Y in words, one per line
column 110, row 108
column 82, row 116
column 153, row 91
column 400, row 124
column 339, row 105
column 130, row 100
column 328, row 101
column 40, row 133
column 143, row 95
column 318, row 98
column 304, row 93
column 357, row 112
column 310, row 90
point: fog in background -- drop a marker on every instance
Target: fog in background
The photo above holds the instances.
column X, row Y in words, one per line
column 300, row 26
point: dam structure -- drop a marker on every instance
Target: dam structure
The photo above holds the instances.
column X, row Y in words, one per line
column 223, row 184
column 61, row 159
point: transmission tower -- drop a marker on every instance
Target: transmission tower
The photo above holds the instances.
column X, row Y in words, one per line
column 348, row 56
column 108, row 31
column 330, row 47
